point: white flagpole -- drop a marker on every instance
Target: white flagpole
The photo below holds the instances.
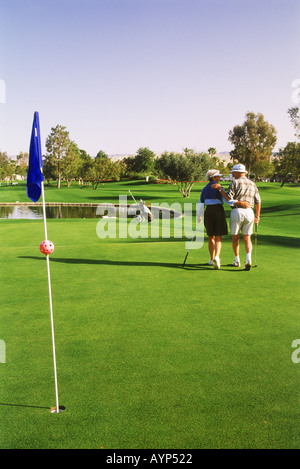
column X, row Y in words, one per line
column 50, row 300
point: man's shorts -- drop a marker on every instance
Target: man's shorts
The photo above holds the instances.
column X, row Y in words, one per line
column 215, row 220
column 241, row 219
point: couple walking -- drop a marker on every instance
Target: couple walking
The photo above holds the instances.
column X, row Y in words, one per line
column 242, row 196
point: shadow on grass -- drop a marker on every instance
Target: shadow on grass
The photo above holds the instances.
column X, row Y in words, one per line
column 25, row 405
column 224, row 268
column 171, row 265
column 284, row 241
column 66, row 260
column 275, row 210
column 153, row 198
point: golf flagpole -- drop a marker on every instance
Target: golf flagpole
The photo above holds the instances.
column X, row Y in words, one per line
column 35, row 188
column 50, row 302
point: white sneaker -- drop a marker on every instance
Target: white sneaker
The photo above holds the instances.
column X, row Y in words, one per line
column 216, row 263
column 211, row 262
column 236, row 264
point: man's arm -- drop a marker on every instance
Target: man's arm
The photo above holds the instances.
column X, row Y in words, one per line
column 220, row 189
column 257, row 213
column 257, row 201
column 224, row 194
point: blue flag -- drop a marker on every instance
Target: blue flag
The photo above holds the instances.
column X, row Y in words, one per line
column 35, row 163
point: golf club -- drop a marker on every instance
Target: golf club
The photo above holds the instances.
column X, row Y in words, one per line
column 145, row 212
column 186, row 256
column 255, row 245
column 132, row 196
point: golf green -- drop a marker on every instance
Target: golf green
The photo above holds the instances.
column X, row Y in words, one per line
column 149, row 355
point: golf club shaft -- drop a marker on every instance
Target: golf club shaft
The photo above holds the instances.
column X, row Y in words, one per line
column 132, row 196
column 190, row 246
column 255, row 243
column 185, row 259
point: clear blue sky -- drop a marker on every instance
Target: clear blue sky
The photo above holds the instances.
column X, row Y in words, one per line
column 166, row 74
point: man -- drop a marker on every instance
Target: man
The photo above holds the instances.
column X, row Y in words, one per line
column 214, row 215
column 242, row 219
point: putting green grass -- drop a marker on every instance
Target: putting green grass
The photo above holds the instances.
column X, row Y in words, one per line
column 149, row 355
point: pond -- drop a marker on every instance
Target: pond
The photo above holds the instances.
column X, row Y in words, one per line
column 34, row 212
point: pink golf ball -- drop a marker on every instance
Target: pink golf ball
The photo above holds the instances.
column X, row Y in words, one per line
column 47, row 247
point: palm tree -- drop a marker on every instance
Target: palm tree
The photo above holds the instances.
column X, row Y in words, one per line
column 212, row 151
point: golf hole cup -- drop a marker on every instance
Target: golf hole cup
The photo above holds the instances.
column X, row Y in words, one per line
column 46, row 247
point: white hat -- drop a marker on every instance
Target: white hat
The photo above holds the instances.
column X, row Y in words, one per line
column 239, row 168
column 212, row 173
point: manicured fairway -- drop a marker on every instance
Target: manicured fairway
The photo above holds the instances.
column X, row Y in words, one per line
column 149, row 355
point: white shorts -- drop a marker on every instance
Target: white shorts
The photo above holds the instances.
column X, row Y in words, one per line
column 241, row 219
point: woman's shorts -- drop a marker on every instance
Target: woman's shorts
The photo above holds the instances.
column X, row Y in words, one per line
column 215, row 220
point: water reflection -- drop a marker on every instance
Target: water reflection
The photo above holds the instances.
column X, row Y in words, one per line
column 36, row 212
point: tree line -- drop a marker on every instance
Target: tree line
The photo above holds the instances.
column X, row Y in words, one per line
column 253, row 141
